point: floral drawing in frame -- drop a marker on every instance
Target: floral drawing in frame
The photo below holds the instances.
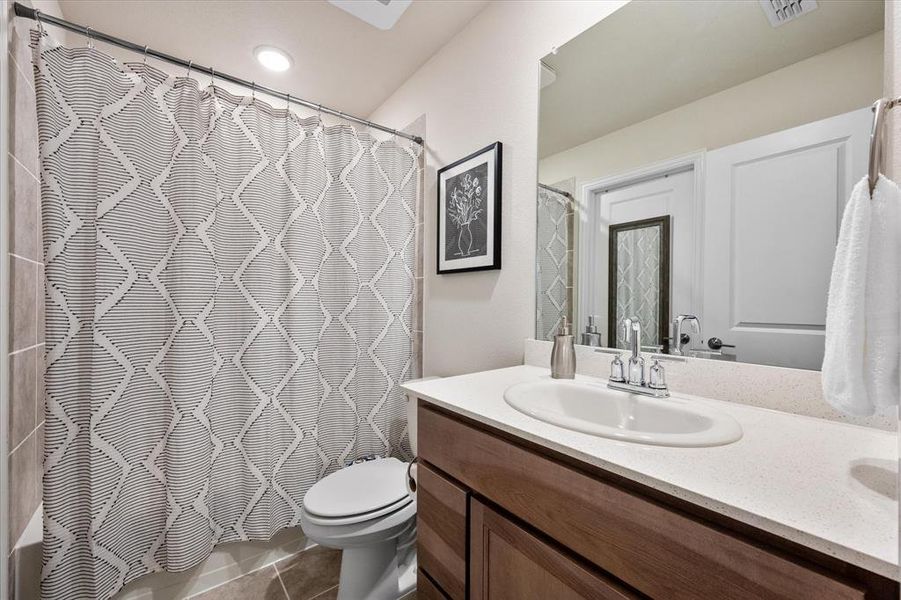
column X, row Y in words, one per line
column 469, row 212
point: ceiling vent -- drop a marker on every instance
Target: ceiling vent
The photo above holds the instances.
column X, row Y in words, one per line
column 381, row 14
column 780, row 12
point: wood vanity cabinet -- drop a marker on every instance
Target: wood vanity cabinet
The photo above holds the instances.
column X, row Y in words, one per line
column 501, row 518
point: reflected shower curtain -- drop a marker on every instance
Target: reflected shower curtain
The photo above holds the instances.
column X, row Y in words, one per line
column 554, row 263
column 229, row 298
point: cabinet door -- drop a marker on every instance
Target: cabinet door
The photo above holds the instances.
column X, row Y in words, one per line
column 508, row 562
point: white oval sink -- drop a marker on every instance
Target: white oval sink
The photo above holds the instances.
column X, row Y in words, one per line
column 595, row 409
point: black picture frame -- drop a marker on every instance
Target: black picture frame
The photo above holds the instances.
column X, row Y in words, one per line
column 663, row 222
column 476, row 243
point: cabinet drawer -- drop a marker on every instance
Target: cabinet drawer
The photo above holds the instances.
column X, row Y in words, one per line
column 658, row 551
column 509, row 563
column 441, row 524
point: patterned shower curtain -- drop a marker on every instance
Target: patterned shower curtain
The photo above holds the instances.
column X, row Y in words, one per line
column 554, row 263
column 229, row 298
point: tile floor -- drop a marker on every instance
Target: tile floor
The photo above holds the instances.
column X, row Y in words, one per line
column 309, row 575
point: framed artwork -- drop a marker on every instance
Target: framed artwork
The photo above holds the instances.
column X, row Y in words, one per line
column 469, row 213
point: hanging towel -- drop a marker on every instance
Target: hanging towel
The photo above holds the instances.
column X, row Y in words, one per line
column 863, row 314
column 843, row 372
column 882, row 353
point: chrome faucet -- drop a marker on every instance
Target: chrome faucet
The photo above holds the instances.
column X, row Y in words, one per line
column 677, row 332
column 632, row 379
column 632, row 336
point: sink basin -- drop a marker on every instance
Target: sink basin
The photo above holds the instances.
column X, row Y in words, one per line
column 594, row 409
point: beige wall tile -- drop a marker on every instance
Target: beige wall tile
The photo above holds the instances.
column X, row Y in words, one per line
column 23, row 119
column 24, row 198
column 23, row 393
column 23, row 309
column 19, row 50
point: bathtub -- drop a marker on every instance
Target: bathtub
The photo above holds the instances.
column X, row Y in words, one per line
column 226, row 562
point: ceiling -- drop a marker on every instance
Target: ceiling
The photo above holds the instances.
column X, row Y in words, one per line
column 653, row 56
column 339, row 60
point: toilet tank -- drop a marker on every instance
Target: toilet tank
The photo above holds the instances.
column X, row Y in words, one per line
column 411, row 415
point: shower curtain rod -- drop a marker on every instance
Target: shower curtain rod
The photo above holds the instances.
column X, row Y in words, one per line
column 553, row 189
column 36, row 15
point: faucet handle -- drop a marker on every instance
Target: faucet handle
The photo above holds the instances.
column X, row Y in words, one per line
column 657, row 376
column 617, row 370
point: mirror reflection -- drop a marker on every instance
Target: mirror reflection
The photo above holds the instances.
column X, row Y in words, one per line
column 694, row 161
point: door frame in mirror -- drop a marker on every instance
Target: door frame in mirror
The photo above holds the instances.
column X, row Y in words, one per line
column 588, row 287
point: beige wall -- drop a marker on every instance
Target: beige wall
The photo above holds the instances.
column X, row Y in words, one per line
column 479, row 88
column 840, row 80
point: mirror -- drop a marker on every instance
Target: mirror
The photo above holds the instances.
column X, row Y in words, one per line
column 694, row 162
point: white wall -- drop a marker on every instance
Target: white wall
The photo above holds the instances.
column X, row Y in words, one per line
column 480, row 88
column 834, row 82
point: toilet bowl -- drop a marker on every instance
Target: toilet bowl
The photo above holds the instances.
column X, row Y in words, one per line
column 366, row 511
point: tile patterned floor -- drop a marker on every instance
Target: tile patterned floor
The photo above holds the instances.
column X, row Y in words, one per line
column 309, row 575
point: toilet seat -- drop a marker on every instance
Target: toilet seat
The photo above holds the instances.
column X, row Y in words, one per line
column 358, row 493
column 359, row 518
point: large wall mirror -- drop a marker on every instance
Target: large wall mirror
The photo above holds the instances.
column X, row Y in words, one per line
column 694, row 162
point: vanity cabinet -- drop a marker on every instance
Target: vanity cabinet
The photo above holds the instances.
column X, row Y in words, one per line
column 500, row 517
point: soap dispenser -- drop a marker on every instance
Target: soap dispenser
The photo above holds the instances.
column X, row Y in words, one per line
column 591, row 336
column 563, row 356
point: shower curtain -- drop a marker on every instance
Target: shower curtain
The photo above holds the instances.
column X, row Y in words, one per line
column 554, row 258
column 229, row 292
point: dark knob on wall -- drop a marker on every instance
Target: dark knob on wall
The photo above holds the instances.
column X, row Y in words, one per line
column 716, row 343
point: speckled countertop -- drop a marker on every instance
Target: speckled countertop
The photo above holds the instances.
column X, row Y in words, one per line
column 826, row 485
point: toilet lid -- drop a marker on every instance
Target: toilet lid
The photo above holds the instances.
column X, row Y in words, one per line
column 357, row 489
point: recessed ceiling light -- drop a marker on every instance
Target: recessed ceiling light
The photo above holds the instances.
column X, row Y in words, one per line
column 272, row 58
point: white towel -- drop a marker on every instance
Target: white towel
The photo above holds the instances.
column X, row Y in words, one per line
column 843, row 373
column 882, row 354
column 863, row 314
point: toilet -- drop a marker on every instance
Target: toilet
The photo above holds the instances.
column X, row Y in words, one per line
column 367, row 511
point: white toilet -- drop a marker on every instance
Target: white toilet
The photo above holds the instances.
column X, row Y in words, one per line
column 367, row 511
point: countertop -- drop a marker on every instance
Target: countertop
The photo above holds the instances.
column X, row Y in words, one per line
column 825, row 485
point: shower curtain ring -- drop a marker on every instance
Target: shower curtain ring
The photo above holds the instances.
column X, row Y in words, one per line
column 145, row 55
column 213, row 79
column 190, row 64
column 253, row 90
column 37, row 17
column 87, row 33
column 287, row 102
